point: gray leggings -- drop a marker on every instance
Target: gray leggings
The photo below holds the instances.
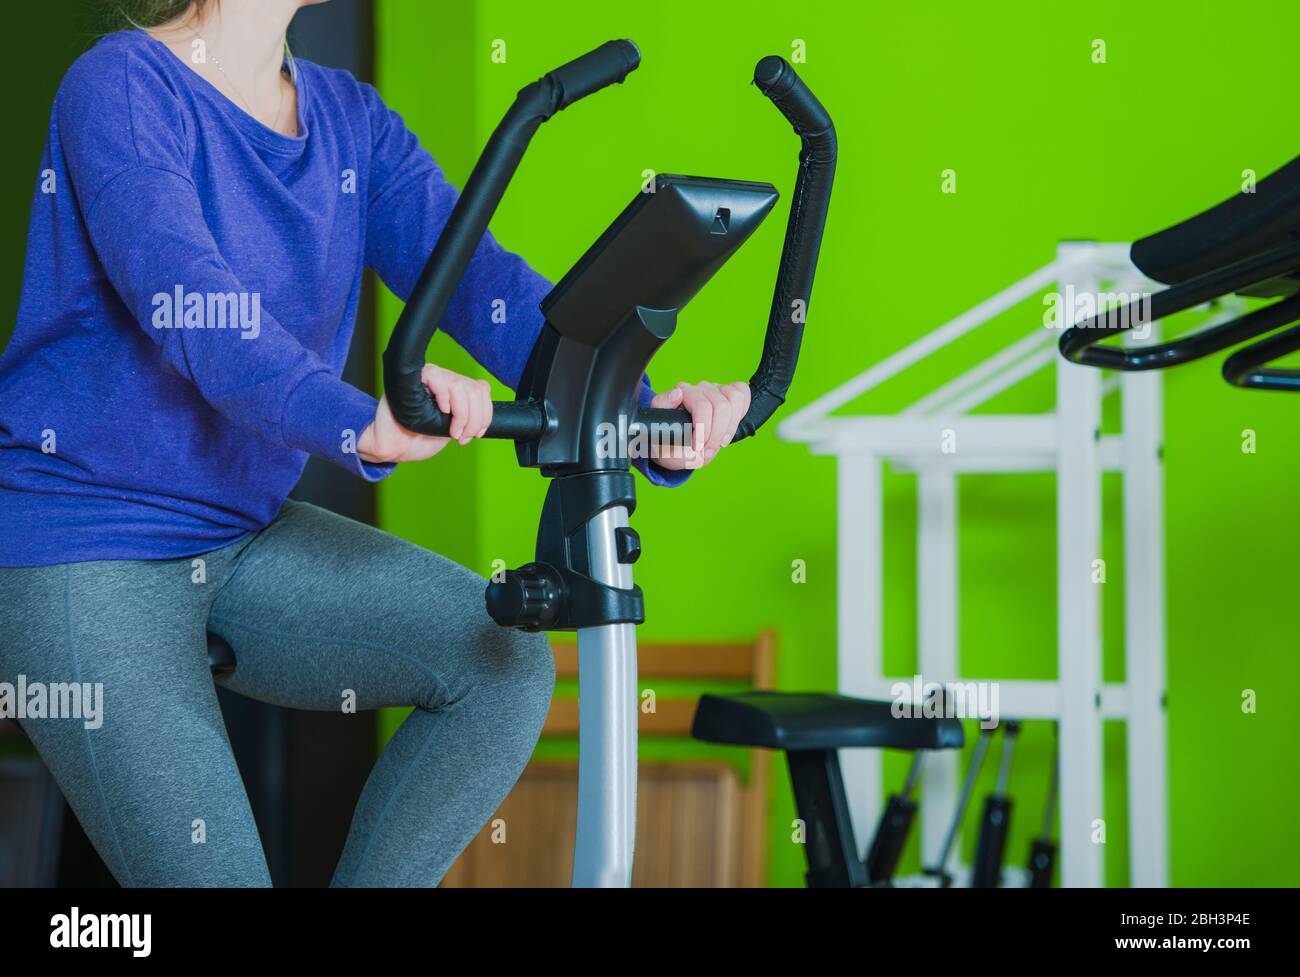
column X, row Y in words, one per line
column 321, row 611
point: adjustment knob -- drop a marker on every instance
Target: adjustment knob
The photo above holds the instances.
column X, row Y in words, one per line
column 528, row 598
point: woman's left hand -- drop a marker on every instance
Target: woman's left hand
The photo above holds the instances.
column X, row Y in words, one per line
column 716, row 410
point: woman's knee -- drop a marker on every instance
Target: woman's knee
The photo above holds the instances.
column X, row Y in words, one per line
column 535, row 649
column 525, row 663
column 474, row 657
column 511, row 672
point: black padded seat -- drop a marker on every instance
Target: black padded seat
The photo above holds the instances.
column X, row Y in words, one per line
column 221, row 657
column 1243, row 226
column 816, row 721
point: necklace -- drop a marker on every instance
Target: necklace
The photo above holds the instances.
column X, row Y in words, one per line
column 216, row 61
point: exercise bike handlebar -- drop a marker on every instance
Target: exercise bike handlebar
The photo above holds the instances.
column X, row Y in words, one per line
column 803, row 238
column 403, row 359
column 607, row 65
column 776, row 79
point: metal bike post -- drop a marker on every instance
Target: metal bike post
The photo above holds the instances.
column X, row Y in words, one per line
column 607, row 726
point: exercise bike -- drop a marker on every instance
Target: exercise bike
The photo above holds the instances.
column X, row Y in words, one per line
column 605, row 320
column 810, row 728
column 1245, row 245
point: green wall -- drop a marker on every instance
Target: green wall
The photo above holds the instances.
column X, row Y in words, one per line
column 1047, row 145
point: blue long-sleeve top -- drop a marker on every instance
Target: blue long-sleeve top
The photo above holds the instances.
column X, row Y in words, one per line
column 189, row 295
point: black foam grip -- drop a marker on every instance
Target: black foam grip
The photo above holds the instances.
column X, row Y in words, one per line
column 665, row 426
column 609, row 64
column 646, row 416
column 511, row 420
column 803, row 236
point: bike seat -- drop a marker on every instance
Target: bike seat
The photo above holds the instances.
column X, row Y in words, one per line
column 816, row 721
column 221, row 657
column 1243, row 226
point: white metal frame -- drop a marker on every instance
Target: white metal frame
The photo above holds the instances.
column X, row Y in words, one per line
column 1066, row 441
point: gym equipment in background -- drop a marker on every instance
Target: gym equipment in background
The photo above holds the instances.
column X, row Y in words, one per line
column 1042, row 853
column 939, row 870
column 1245, row 246
column 894, row 827
column 948, row 437
column 604, row 321
column 995, row 825
column 811, row 728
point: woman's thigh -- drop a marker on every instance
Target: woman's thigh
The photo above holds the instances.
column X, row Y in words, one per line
column 326, row 613
column 150, row 774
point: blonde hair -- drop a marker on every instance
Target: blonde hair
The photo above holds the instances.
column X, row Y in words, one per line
column 146, row 15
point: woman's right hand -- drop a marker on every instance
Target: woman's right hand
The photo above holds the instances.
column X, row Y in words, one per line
column 469, row 402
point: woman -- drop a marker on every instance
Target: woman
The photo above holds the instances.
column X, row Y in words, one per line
column 205, row 210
